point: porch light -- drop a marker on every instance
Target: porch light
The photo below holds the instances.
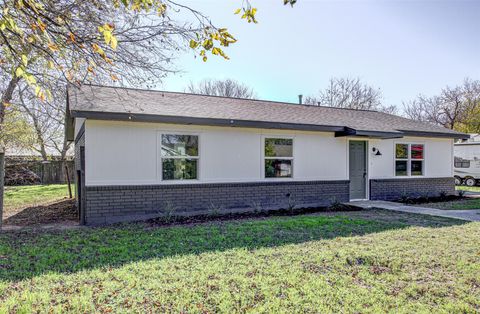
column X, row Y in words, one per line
column 376, row 151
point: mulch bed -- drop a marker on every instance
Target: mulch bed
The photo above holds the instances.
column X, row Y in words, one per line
column 57, row 212
column 194, row 219
column 434, row 199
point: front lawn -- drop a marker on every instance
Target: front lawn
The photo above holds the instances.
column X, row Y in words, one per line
column 326, row 263
column 467, row 203
column 467, row 188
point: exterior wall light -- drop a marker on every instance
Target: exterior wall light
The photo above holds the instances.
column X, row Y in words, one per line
column 376, row 151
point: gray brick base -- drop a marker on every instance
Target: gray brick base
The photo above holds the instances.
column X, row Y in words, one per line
column 109, row 204
column 392, row 189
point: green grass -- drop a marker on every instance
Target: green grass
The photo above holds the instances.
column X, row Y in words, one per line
column 285, row 264
column 472, row 203
column 30, row 195
column 468, row 188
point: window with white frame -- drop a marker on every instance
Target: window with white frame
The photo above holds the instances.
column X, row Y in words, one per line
column 179, row 154
column 278, row 157
column 409, row 159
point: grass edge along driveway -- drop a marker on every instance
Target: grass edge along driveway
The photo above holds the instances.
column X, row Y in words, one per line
column 285, row 264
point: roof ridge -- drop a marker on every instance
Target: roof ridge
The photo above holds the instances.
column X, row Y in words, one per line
column 238, row 98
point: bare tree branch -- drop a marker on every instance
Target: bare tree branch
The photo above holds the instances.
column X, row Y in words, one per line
column 352, row 94
column 226, row 88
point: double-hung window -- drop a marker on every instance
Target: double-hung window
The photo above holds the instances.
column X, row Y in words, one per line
column 409, row 159
column 278, row 158
column 179, row 154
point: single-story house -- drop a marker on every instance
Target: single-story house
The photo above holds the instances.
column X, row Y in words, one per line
column 143, row 153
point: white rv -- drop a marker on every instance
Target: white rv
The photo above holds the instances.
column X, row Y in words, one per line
column 467, row 161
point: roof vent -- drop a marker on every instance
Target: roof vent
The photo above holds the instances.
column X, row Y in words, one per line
column 300, row 99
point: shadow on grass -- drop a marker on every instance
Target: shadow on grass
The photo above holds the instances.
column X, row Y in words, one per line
column 54, row 212
column 27, row 254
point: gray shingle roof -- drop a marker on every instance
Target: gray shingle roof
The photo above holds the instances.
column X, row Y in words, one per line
column 101, row 102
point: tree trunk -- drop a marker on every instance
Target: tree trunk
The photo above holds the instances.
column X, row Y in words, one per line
column 2, row 176
column 6, row 98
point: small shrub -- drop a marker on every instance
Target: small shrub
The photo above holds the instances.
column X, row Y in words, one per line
column 424, row 198
column 405, row 198
column 169, row 210
column 443, row 196
column 291, row 202
column 214, row 210
column 257, row 207
column 335, row 204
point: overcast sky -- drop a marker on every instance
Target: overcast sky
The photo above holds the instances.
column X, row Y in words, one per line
column 403, row 47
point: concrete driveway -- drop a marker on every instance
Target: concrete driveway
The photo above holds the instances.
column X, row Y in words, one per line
column 468, row 215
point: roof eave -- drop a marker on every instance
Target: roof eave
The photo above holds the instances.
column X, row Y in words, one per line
column 338, row 130
column 138, row 117
column 457, row 135
column 368, row 134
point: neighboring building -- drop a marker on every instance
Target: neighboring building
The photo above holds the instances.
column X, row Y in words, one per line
column 143, row 153
column 467, row 161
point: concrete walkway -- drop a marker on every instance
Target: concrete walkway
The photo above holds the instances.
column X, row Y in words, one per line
column 468, row 215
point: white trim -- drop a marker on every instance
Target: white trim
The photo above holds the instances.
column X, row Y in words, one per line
column 160, row 157
column 409, row 159
column 262, row 151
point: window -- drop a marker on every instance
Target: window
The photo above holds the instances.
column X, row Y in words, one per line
column 409, row 159
column 179, row 157
column 461, row 163
column 278, row 158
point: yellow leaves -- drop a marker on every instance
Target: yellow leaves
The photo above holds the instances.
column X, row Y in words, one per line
column 71, row 37
column 237, row 11
column 113, row 42
column 114, row 77
column 69, row 76
column 108, row 60
column 31, row 80
column 248, row 14
column 53, row 47
column 193, row 44
column 19, row 71
column 42, row 26
column 208, row 44
column 24, row 60
column 97, row 49
column 42, row 93
column 162, row 9
column 211, row 40
column 107, row 31
column 50, row 64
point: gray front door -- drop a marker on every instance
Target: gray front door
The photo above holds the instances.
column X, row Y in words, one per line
column 358, row 169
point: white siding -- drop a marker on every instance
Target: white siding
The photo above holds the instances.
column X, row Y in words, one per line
column 126, row 153
column 438, row 157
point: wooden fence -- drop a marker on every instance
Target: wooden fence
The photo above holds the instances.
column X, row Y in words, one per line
column 51, row 172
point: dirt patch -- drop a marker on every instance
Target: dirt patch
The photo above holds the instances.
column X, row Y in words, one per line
column 53, row 213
